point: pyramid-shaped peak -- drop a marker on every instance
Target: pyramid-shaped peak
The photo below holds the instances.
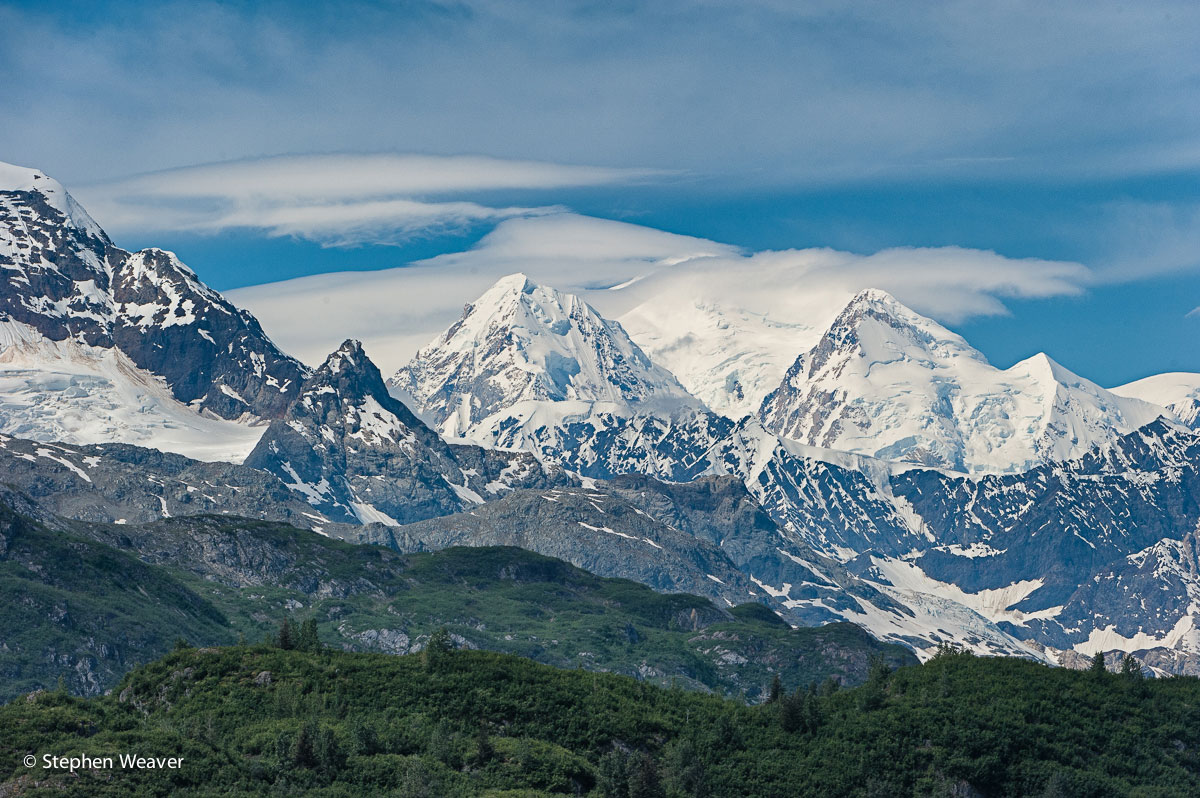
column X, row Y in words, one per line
column 523, row 342
column 874, row 296
column 518, row 290
column 880, row 304
column 347, row 374
column 20, row 179
column 350, row 356
column 1045, row 368
column 516, row 283
column 23, row 178
column 880, row 328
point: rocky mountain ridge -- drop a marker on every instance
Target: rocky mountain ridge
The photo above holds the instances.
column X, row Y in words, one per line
column 66, row 280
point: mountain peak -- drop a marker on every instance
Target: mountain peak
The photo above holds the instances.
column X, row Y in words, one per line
column 887, row 382
column 874, row 326
column 524, row 342
column 516, row 283
column 873, row 296
column 66, row 280
column 347, row 356
column 348, row 373
column 21, row 179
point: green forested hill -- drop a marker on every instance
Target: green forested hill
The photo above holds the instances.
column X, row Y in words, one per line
column 264, row 721
column 91, row 601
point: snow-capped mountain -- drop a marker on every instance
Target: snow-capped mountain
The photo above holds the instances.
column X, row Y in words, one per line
column 359, row 455
column 1177, row 391
column 918, row 555
column 64, row 279
column 521, row 342
column 727, row 357
column 69, row 391
column 890, row 383
column 1056, row 517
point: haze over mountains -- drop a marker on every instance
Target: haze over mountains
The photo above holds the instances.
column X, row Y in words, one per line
column 872, row 468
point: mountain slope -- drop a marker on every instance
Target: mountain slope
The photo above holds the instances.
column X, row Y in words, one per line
column 102, row 598
column 69, row 391
column 85, row 611
column 887, row 382
column 67, row 285
column 726, row 356
column 1066, row 546
column 521, row 342
column 592, row 529
column 361, row 456
column 1177, row 391
column 118, row 483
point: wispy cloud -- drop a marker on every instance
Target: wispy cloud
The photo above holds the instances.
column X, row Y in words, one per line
column 814, row 91
column 338, row 199
column 618, row 266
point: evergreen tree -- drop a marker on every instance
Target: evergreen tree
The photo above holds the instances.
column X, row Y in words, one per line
column 1098, row 665
column 329, row 755
column 643, row 778
column 791, row 712
column 828, row 687
column 612, row 775
column 484, row 751
column 307, row 639
column 303, row 752
column 1130, row 667
column 683, row 766
column 286, row 639
column 776, row 691
column 441, row 743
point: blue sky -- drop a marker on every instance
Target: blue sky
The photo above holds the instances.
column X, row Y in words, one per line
column 1060, row 131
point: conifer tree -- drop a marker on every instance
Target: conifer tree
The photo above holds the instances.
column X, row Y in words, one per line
column 307, row 639
column 776, row 691
column 484, row 751
column 643, row 778
column 286, row 639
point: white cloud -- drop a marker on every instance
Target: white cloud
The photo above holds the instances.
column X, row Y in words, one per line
column 619, row 266
column 335, row 199
column 780, row 90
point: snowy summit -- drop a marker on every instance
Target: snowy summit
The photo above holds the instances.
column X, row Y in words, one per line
column 521, row 342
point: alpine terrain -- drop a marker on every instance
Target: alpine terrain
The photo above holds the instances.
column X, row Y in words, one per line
column 890, row 477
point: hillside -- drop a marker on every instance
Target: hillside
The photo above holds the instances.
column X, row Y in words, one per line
column 261, row 720
column 97, row 599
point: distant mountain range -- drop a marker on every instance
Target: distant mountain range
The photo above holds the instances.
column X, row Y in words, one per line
column 890, row 476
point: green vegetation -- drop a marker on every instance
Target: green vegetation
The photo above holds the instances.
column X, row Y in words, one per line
column 86, row 612
column 263, row 720
column 96, row 602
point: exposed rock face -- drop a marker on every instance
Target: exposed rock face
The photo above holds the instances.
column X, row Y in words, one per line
column 115, row 483
column 65, row 279
column 591, row 529
column 1092, row 554
column 358, row 455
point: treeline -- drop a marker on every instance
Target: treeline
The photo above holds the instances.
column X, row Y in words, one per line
column 295, row 717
